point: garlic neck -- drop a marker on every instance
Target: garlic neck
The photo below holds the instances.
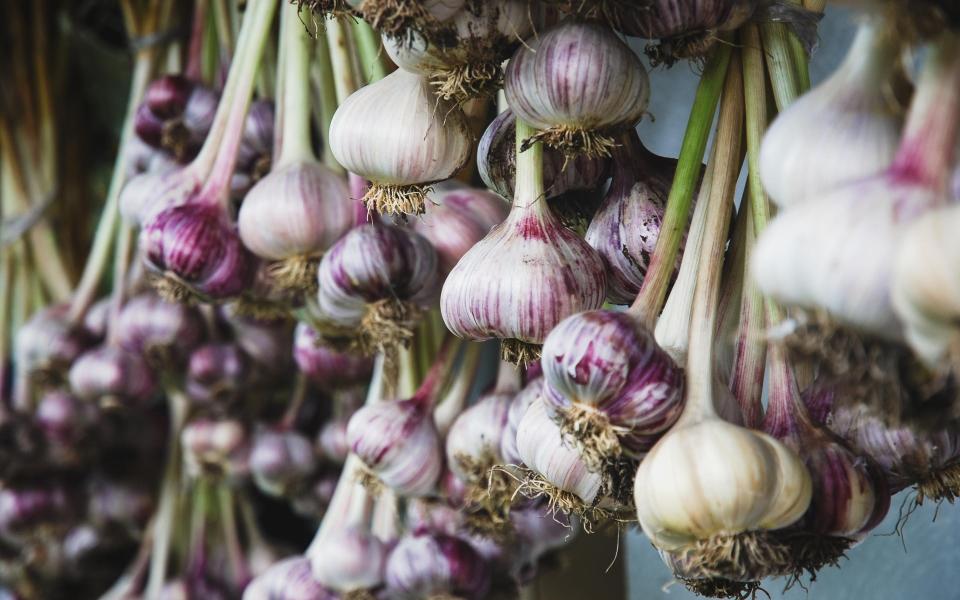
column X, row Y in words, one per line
column 529, row 192
column 871, row 60
column 292, row 142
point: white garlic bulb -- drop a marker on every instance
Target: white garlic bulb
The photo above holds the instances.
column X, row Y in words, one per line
column 473, row 443
column 845, row 129
column 397, row 134
column 348, row 559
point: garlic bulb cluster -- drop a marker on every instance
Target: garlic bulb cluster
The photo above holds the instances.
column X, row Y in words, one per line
column 371, row 283
column 325, row 365
column 456, row 218
column 845, row 129
column 552, row 273
column 836, row 254
column 579, row 84
column 497, row 163
column 481, row 39
column 609, row 385
column 428, row 565
column 398, row 135
column 626, row 227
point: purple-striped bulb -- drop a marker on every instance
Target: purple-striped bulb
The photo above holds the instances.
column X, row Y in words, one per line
column 456, row 218
column 111, row 374
column 609, row 385
column 497, row 163
column 257, row 141
column 325, row 365
column 473, row 443
column 348, row 559
column 167, row 96
column 399, row 443
column 216, row 372
column 426, row 565
column 281, row 460
column 195, row 250
column 288, row 579
column 164, row 332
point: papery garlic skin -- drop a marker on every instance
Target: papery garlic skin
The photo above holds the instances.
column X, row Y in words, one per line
column 846, row 128
column 710, row 477
column 299, row 210
column 475, row 437
column 577, row 78
column 925, row 290
column 541, row 446
column 398, row 442
column 606, row 362
column 348, row 559
column 395, row 132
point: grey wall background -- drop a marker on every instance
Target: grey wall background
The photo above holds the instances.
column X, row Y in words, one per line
column 926, row 563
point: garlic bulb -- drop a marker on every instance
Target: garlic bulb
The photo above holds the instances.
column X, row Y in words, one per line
column 401, row 18
column 473, row 443
column 541, row 447
column 626, row 227
column 836, row 254
column 281, row 460
column 579, row 84
column 372, row 282
column 530, row 393
column 497, row 162
column 551, row 273
column 429, row 565
column 288, row 579
column 470, row 64
column 48, row 343
column 348, row 559
column 217, row 373
column 400, row 137
column 924, row 287
column 845, row 129
column 301, row 207
column 325, row 365
column 609, row 385
column 457, row 217
column 215, row 447
column 161, row 331
column 112, row 375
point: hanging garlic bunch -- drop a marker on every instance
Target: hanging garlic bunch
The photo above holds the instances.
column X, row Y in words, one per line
column 481, row 39
column 373, row 282
column 850, row 493
column 626, row 227
column 457, row 217
column 301, row 207
column 551, row 273
column 580, row 85
column 399, row 136
column 710, row 492
column 845, row 129
column 836, row 253
column 497, row 163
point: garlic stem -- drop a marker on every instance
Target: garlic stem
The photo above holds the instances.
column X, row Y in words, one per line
column 325, row 91
column 344, row 79
column 218, row 155
column 451, row 405
column 293, row 92
column 528, row 190
column 231, row 538
column 369, row 51
column 660, row 271
column 755, row 97
column 198, row 25
column 221, row 19
column 121, row 266
column 926, row 154
column 700, row 367
column 783, row 73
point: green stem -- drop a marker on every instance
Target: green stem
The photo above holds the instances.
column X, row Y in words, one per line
column 165, row 519
column 755, row 96
column 231, row 538
column 660, row 272
column 703, row 317
column 121, row 266
column 221, row 19
column 344, row 79
column 784, row 77
column 293, row 93
column 528, row 190
column 326, row 92
column 369, row 50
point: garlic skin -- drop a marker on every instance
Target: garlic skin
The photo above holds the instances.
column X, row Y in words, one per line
column 752, row 481
column 426, row 565
column 845, row 129
column 497, row 163
column 348, row 559
column 607, row 366
column 324, row 365
column 578, row 83
column 398, row 442
column 110, row 374
column 541, row 446
column 281, row 460
column 300, row 209
column 161, row 331
column 456, row 218
column 473, row 442
column 481, row 39
column 399, row 136
column 925, row 291
column 531, row 392
column 288, row 579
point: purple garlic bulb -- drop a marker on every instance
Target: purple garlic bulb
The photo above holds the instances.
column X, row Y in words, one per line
column 609, row 385
column 112, row 375
column 348, row 559
column 332, row 441
column 426, row 565
column 216, row 447
column 176, row 115
column 266, row 342
column 626, row 227
column 324, row 365
column 48, row 343
column 162, row 331
column 289, row 579
column 457, row 217
column 194, row 249
column 64, row 421
column 256, row 143
column 497, row 163
column 216, row 372
column 376, row 274
column 281, row 460
column 399, row 443
column 518, row 408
